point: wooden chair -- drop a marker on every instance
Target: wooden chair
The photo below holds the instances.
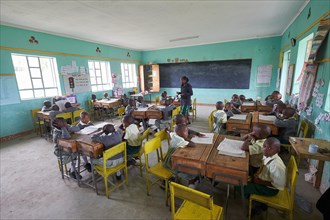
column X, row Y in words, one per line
column 37, row 124
column 196, row 204
column 145, row 136
column 284, row 200
column 158, row 170
column 106, row 172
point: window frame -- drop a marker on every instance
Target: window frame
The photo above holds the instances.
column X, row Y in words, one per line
column 107, row 76
column 129, row 79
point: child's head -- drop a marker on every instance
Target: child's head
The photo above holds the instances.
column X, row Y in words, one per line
column 131, row 102
column 93, row 96
column 261, row 131
column 106, row 95
column 228, row 106
column 235, row 97
column 67, row 105
column 182, row 130
column 140, row 99
column 55, row 108
column 184, row 80
column 271, row 147
column 288, row 112
column 84, row 117
column 242, row 97
column 59, row 123
column 164, row 94
column 276, row 95
column 167, row 102
column 108, row 128
column 128, row 120
column 47, row 103
column 219, row 105
column 180, row 119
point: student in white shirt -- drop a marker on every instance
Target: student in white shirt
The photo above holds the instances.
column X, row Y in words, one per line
column 220, row 118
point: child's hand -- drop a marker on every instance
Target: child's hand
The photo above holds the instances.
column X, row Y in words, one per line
column 200, row 135
column 245, row 145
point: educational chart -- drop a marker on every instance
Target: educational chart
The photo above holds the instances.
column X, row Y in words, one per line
column 264, row 75
column 74, row 83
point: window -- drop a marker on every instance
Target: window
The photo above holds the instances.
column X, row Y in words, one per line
column 100, row 75
column 128, row 72
column 37, row 77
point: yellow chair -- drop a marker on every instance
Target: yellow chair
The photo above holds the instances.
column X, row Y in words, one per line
column 67, row 116
column 36, row 121
column 225, row 101
column 145, row 136
column 211, row 121
column 106, row 172
column 193, row 109
column 196, row 204
column 163, row 135
column 157, row 100
column 174, row 113
column 121, row 111
column 76, row 116
column 157, row 170
column 284, row 200
column 303, row 129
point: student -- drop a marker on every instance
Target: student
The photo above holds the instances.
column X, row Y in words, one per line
column 271, row 177
column 253, row 143
column 54, row 110
column 186, row 93
column 181, row 119
column 85, row 121
column 274, row 99
column 124, row 100
column 106, row 96
column 164, row 96
column 243, row 99
column 109, row 137
column 61, row 130
column 60, row 102
column 230, row 110
column 130, row 108
column 70, row 108
column 94, row 99
column 167, row 112
column 141, row 103
column 287, row 125
column 47, row 106
column 220, row 118
column 277, row 110
column 132, row 137
column 235, row 101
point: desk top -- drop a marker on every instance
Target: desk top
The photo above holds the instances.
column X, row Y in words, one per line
column 237, row 163
column 104, row 101
column 247, row 120
column 248, row 104
column 302, row 144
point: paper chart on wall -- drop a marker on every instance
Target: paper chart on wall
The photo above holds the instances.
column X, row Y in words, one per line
column 81, row 83
column 264, row 74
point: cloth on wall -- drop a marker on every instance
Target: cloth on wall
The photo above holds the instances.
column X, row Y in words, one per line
column 320, row 35
column 307, row 84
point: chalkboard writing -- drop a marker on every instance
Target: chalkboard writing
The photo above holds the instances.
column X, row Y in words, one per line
column 227, row 74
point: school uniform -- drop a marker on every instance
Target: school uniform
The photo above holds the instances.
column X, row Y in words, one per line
column 71, row 109
column 109, row 141
column 167, row 116
column 288, row 127
column 237, row 104
column 46, row 109
column 255, row 151
column 80, row 126
column 220, row 118
column 62, row 133
column 133, row 138
column 125, row 102
column 272, row 170
column 141, row 104
column 129, row 109
column 52, row 114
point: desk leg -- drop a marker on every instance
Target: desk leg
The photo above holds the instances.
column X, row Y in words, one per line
column 320, row 167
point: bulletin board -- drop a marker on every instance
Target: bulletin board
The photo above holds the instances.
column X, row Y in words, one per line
column 81, row 83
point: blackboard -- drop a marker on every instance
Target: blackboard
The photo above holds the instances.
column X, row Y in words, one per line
column 224, row 74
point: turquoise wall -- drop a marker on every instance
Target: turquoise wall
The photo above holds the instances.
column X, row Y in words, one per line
column 15, row 114
column 318, row 8
column 262, row 52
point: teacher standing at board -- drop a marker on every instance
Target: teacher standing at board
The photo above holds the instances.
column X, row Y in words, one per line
column 186, row 93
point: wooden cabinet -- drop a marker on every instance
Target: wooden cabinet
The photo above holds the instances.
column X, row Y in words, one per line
column 149, row 78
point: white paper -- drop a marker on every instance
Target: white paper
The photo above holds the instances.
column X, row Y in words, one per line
column 263, row 102
column 142, row 109
column 152, row 121
column 264, row 74
column 88, row 130
column 207, row 139
column 231, row 148
column 248, row 104
column 267, row 117
column 238, row 117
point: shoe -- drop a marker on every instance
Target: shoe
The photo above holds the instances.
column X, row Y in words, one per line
column 118, row 177
column 73, row 175
column 131, row 162
column 88, row 167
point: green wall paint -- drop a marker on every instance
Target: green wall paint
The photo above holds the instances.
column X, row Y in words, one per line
column 262, row 52
column 16, row 117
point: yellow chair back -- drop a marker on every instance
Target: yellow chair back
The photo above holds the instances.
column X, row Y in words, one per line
column 292, row 174
column 163, row 135
column 121, row 111
column 175, row 112
column 66, row 115
column 150, row 146
column 145, row 135
column 192, row 195
column 211, row 121
column 76, row 116
column 34, row 113
column 304, row 128
column 119, row 148
column 157, row 100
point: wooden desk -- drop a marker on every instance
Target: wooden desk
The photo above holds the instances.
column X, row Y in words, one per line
column 142, row 95
column 88, row 147
column 301, row 146
column 192, row 159
column 262, row 107
column 108, row 103
column 248, row 107
column 42, row 116
column 242, row 126
column 270, row 123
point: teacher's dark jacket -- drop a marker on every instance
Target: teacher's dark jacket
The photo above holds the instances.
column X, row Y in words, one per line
column 186, row 93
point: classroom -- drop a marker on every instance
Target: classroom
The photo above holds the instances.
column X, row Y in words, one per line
column 165, row 109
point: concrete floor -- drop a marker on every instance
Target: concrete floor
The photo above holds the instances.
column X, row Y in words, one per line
column 32, row 188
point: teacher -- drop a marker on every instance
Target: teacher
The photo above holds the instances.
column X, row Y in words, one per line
column 186, row 93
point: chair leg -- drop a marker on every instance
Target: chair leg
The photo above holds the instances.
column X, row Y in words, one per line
column 166, row 192
column 250, row 207
column 140, row 166
column 147, row 183
column 291, row 214
column 106, row 185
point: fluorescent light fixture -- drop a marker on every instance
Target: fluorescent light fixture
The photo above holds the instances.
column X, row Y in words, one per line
column 184, row 38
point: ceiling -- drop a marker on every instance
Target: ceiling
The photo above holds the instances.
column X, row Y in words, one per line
column 149, row 25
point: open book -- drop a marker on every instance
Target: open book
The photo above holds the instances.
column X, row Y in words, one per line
column 267, row 117
column 231, row 147
column 238, row 117
column 207, row 139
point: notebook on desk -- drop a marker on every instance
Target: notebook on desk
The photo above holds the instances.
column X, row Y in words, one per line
column 231, row 148
column 238, row 117
column 207, row 139
column 267, row 117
